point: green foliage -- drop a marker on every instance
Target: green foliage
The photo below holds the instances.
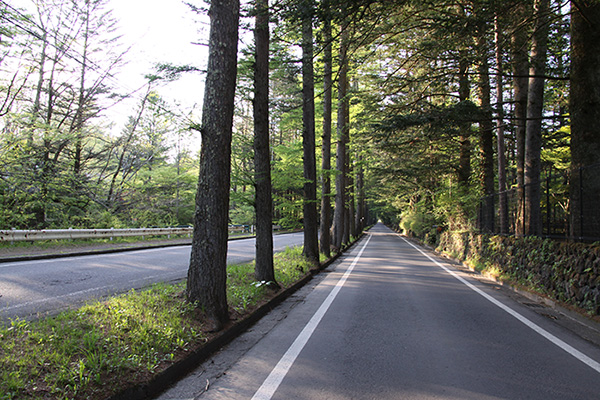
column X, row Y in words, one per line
column 128, row 181
column 557, row 153
column 290, row 266
column 243, row 292
column 104, row 347
column 567, row 272
column 288, row 183
column 98, row 348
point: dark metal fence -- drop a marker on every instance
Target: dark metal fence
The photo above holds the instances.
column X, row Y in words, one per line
column 555, row 207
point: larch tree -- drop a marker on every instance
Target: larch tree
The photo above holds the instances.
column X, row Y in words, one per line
column 503, row 200
column 486, row 134
column 311, row 224
column 263, row 203
column 535, row 107
column 207, row 274
column 585, row 119
column 464, row 93
column 325, row 223
column 340, row 219
column 99, row 59
column 519, row 41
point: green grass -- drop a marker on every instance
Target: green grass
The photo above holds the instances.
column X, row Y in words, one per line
column 105, row 346
column 244, row 293
column 110, row 343
column 82, row 243
column 68, row 244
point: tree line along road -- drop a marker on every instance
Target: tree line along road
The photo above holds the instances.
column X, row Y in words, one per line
column 390, row 321
column 32, row 288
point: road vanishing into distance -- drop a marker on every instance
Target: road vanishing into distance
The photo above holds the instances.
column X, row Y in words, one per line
column 389, row 320
column 32, row 288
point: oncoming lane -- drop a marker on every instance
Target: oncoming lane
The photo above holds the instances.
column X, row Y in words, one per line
column 402, row 327
column 30, row 288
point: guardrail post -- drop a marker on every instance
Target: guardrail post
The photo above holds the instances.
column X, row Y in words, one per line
column 111, row 235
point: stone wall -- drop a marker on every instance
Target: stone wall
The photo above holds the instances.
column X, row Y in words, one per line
column 568, row 272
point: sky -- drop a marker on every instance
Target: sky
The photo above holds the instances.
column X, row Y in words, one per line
column 161, row 31
column 155, row 31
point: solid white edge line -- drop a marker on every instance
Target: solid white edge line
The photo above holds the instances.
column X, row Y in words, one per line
column 270, row 385
column 538, row 329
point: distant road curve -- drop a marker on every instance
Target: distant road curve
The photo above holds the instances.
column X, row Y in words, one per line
column 29, row 288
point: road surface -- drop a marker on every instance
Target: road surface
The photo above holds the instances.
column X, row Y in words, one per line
column 36, row 287
column 391, row 321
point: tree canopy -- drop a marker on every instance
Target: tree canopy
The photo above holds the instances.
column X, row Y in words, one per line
column 428, row 115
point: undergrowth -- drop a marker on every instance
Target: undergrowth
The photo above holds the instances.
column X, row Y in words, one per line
column 108, row 345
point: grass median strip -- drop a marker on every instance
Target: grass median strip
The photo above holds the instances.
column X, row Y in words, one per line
column 108, row 345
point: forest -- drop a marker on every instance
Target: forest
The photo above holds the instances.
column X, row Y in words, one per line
column 428, row 115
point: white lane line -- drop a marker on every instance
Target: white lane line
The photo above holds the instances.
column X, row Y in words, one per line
column 90, row 290
column 66, row 258
column 538, row 329
column 270, row 385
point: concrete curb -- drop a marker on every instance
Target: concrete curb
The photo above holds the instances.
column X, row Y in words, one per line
column 49, row 256
column 177, row 371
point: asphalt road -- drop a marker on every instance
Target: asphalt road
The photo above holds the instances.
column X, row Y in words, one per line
column 32, row 288
column 391, row 321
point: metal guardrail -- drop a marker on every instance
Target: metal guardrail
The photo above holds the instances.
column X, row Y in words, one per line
column 58, row 234
column 15, row 235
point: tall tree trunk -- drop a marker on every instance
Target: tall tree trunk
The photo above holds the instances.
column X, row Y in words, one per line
column 77, row 123
column 340, row 211
column 46, row 169
column 40, row 83
column 503, row 201
column 585, row 120
column 311, row 224
column 110, row 200
column 520, row 69
column 464, row 158
column 207, row 275
column 486, row 139
column 535, row 106
column 360, row 196
column 263, row 269
column 325, row 232
column 351, row 231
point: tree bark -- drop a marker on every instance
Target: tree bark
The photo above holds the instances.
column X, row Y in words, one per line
column 464, row 158
column 311, row 224
column 340, row 211
column 520, row 69
column 263, row 269
column 207, row 275
column 535, row 107
column 503, row 201
column 78, row 120
column 486, row 139
column 360, row 196
column 325, row 231
column 351, row 231
column 585, row 120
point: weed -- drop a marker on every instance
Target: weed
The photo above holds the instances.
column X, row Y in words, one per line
column 107, row 345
